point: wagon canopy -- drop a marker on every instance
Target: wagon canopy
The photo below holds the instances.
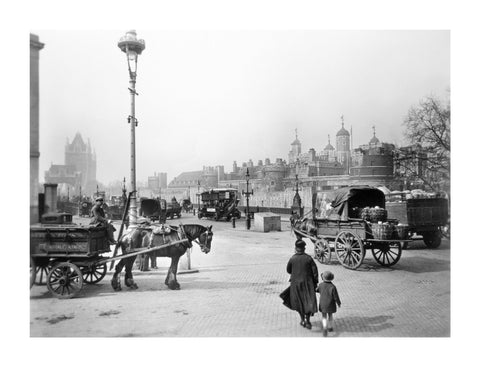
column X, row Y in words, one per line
column 347, row 199
column 149, row 207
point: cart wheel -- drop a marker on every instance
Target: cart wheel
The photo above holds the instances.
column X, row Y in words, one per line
column 41, row 274
column 65, row 280
column 33, row 272
column 349, row 250
column 322, row 251
column 387, row 253
column 432, row 239
column 94, row 273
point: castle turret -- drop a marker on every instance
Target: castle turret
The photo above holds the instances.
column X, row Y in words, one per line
column 343, row 145
column 296, row 149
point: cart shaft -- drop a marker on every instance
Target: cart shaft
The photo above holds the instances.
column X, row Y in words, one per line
column 147, row 250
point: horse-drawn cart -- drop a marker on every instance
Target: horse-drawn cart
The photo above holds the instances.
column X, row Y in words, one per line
column 68, row 255
column 358, row 223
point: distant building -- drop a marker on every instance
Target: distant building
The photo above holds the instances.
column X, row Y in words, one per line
column 79, row 170
column 343, row 146
column 296, row 150
column 186, row 179
column 35, row 47
column 330, row 168
column 208, row 177
column 163, row 180
column 157, row 182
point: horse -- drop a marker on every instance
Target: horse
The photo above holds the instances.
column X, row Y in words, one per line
column 305, row 225
column 186, row 205
column 143, row 237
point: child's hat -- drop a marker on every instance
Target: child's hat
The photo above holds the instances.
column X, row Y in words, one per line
column 300, row 244
column 327, row 276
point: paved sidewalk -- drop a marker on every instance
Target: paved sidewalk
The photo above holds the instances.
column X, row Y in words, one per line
column 235, row 293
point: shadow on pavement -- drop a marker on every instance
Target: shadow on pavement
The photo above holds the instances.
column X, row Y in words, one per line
column 365, row 324
column 420, row 264
column 367, row 265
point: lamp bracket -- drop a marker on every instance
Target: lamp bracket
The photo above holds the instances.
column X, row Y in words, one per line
column 133, row 91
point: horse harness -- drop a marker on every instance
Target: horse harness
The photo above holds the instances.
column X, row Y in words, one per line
column 202, row 245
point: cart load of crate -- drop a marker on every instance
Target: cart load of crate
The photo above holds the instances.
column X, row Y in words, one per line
column 358, row 221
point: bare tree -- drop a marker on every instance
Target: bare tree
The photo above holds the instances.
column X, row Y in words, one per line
column 428, row 129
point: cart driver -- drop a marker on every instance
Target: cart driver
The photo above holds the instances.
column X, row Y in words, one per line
column 98, row 217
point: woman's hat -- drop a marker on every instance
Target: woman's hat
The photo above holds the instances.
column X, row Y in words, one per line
column 98, row 198
column 327, row 276
column 300, row 244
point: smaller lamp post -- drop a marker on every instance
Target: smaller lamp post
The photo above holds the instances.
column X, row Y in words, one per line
column 198, row 195
column 80, row 201
column 124, row 193
column 247, row 194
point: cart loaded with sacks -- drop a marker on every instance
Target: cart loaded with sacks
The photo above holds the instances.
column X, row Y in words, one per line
column 357, row 222
column 65, row 255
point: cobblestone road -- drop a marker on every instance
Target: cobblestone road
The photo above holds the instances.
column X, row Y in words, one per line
column 235, row 293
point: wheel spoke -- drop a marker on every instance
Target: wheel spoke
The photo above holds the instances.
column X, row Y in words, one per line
column 56, row 289
column 357, row 255
column 390, row 256
column 386, row 258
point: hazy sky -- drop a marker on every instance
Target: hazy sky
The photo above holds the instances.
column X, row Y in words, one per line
column 212, row 97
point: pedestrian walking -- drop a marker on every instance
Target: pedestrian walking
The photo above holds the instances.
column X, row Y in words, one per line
column 329, row 300
column 300, row 296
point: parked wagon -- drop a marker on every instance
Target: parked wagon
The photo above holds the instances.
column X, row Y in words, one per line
column 116, row 206
column 174, row 209
column 151, row 209
column 358, row 222
column 187, row 205
column 426, row 217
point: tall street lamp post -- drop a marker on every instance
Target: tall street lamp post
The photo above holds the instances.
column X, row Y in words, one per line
column 132, row 48
column 247, row 194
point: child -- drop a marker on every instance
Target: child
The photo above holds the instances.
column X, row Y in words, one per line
column 329, row 300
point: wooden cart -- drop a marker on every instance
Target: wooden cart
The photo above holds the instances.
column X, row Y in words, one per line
column 350, row 236
column 65, row 256
column 426, row 217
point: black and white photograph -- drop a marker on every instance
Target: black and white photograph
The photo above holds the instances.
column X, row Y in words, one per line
column 267, row 186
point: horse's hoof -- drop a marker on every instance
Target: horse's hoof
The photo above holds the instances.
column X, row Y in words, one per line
column 116, row 285
column 130, row 283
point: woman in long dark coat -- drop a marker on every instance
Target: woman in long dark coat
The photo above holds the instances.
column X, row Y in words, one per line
column 303, row 281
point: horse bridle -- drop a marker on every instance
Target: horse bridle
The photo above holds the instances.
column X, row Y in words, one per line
column 203, row 245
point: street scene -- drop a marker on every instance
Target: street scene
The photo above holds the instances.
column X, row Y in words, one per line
column 233, row 291
column 240, row 184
